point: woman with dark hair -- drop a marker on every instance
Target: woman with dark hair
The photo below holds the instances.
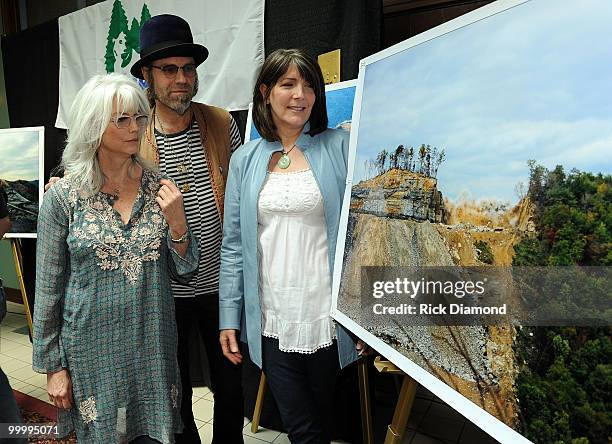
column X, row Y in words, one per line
column 282, row 210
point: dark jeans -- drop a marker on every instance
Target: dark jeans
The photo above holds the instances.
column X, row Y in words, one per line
column 226, row 378
column 144, row 440
column 303, row 387
column 9, row 412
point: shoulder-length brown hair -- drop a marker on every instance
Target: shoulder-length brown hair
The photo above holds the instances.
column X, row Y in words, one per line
column 275, row 66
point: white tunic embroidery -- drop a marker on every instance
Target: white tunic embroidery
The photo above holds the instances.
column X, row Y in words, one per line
column 88, row 410
column 103, row 230
column 174, row 396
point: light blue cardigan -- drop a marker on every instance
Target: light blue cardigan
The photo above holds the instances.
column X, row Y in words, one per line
column 327, row 155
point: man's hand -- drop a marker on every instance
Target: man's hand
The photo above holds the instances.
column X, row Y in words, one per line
column 229, row 345
column 52, row 180
column 363, row 349
column 59, row 389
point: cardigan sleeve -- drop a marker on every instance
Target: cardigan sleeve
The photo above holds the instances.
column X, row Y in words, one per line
column 231, row 285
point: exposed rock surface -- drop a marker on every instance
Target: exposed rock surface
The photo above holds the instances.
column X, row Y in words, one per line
column 388, row 228
column 22, row 205
column 399, row 194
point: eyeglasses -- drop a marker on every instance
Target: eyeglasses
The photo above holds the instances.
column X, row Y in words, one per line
column 125, row 121
column 170, row 71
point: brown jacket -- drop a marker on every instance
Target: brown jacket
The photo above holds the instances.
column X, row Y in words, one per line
column 214, row 124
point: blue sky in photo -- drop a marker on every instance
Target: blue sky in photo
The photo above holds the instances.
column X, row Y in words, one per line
column 340, row 105
column 19, row 155
column 339, row 108
column 532, row 82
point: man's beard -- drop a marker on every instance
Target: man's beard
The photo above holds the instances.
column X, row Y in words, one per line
column 180, row 104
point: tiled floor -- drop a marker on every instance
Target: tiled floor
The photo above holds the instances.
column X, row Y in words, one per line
column 431, row 421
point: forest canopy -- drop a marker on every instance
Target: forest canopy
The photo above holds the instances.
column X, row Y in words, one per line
column 565, row 381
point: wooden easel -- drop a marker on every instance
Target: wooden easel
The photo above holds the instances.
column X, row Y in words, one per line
column 364, row 396
column 395, row 430
column 261, row 393
column 18, row 259
column 365, row 401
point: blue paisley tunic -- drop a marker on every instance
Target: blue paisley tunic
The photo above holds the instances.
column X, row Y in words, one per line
column 104, row 311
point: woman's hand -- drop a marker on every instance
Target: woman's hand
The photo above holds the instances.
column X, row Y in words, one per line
column 170, row 200
column 362, row 348
column 229, row 345
column 59, row 389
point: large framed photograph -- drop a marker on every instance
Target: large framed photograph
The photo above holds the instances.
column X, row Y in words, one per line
column 486, row 142
column 339, row 98
column 22, row 177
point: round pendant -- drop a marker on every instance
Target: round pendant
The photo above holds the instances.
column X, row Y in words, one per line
column 284, row 162
column 185, row 187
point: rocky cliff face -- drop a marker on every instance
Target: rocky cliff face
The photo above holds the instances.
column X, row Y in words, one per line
column 399, row 194
column 395, row 220
column 464, row 357
column 22, row 204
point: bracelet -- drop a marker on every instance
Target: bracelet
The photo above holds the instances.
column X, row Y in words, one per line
column 182, row 239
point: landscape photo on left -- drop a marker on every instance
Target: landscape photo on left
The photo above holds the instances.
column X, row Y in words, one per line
column 21, row 170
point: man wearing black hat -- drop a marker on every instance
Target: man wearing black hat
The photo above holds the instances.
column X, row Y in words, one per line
column 192, row 143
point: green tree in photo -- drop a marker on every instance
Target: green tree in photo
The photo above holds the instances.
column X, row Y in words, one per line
column 485, row 254
column 564, row 385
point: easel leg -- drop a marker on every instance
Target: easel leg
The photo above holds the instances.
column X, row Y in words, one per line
column 364, row 396
column 16, row 247
column 261, row 392
column 395, row 431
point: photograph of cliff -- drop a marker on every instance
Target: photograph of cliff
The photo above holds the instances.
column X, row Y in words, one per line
column 21, row 151
column 490, row 144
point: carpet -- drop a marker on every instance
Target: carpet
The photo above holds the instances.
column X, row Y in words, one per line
column 35, row 411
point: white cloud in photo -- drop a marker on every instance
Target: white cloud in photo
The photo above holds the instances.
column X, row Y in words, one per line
column 529, row 83
column 19, row 154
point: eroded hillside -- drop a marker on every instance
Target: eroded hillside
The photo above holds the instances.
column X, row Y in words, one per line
column 476, row 361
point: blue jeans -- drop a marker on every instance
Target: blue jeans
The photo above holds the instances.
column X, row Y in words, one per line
column 9, row 412
column 144, row 440
column 303, row 387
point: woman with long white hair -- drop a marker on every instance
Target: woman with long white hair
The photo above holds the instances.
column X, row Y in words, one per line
column 111, row 233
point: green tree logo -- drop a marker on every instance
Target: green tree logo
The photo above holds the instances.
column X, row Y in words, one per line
column 122, row 38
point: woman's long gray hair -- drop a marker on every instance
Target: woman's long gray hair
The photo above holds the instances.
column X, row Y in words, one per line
column 90, row 114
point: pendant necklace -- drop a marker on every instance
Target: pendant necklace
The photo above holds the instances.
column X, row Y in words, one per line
column 181, row 167
column 116, row 190
column 116, row 193
column 284, row 161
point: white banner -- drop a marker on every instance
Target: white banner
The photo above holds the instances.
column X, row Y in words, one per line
column 105, row 37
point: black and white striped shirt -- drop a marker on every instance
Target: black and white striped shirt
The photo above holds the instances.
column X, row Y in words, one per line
column 185, row 149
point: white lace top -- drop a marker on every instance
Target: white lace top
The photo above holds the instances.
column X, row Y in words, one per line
column 294, row 280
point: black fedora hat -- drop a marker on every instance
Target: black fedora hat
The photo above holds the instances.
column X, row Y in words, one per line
column 163, row 36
